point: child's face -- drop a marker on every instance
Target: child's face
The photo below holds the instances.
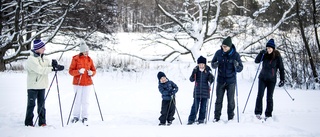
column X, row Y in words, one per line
column 201, row 65
column 163, row 79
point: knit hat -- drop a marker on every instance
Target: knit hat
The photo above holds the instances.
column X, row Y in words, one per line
column 271, row 44
column 83, row 47
column 37, row 44
column 160, row 75
column 202, row 60
column 227, row 42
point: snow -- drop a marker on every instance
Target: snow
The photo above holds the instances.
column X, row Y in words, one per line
column 130, row 104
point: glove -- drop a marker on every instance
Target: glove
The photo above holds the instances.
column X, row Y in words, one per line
column 81, row 71
column 215, row 65
column 54, row 63
column 263, row 52
column 58, row 68
column 194, row 71
column 235, row 63
column 281, row 83
column 90, row 73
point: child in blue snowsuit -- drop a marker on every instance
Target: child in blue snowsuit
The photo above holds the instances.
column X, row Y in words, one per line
column 168, row 89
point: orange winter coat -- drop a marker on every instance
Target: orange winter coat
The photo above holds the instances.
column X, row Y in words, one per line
column 78, row 62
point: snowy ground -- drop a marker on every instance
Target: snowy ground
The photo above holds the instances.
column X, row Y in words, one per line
column 130, row 104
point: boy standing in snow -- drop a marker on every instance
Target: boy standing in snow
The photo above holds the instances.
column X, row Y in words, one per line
column 82, row 69
column 228, row 61
column 38, row 68
column 272, row 61
column 203, row 78
column 168, row 89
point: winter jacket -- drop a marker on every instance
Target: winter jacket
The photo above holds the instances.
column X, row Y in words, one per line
column 38, row 67
column 271, row 63
column 226, row 69
column 167, row 89
column 203, row 80
column 78, row 62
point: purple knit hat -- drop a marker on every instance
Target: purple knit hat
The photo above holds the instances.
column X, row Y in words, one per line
column 37, row 44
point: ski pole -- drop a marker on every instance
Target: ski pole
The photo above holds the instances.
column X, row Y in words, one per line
column 59, row 100
column 169, row 108
column 253, row 84
column 75, row 95
column 215, row 73
column 97, row 101
column 174, row 102
column 237, row 95
column 288, row 93
column 55, row 75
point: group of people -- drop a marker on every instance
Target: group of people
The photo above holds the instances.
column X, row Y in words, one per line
column 38, row 67
column 227, row 62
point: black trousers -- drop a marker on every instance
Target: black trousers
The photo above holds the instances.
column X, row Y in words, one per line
column 221, row 89
column 167, row 110
column 33, row 95
column 270, row 85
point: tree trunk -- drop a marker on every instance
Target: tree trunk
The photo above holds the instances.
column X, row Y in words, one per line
column 313, row 67
column 2, row 63
column 315, row 23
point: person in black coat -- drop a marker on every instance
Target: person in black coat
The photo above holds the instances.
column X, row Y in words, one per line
column 168, row 89
column 272, row 62
column 228, row 62
column 203, row 78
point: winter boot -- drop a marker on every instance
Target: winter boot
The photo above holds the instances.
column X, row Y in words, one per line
column 75, row 120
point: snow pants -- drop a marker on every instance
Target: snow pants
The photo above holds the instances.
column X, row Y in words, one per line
column 81, row 104
column 202, row 102
column 33, row 95
column 221, row 88
column 167, row 110
column 270, row 85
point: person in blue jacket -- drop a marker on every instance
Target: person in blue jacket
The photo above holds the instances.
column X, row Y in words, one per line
column 203, row 78
column 227, row 61
column 168, row 89
column 272, row 62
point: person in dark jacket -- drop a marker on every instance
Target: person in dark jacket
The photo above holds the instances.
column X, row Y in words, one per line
column 168, row 89
column 228, row 62
column 203, row 78
column 272, row 61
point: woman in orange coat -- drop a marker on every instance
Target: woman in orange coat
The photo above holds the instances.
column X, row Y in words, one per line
column 82, row 69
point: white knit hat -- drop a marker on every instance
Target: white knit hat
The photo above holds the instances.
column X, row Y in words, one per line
column 83, row 47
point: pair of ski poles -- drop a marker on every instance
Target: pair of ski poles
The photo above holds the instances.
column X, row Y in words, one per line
column 75, row 95
column 254, row 82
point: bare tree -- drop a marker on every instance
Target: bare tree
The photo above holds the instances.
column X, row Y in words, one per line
column 202, row 21
column 24, row 21
column 306, row 44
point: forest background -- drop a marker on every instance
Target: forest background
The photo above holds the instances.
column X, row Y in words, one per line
column 187, row 28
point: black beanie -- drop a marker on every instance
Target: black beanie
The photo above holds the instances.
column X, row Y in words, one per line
column 227, row 41
column 202, row 60
column 160, row 75
column 271, row 44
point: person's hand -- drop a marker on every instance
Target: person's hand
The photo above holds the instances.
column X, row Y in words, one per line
column 263, row 52
column 81, row 71
column 58, row 68
column 215, row 64
column 194, row 71
column 235, row 63
column 54, row 63
column 281, row 83
column 90, row 73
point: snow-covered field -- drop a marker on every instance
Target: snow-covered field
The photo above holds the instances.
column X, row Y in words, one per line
column 130, row 104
